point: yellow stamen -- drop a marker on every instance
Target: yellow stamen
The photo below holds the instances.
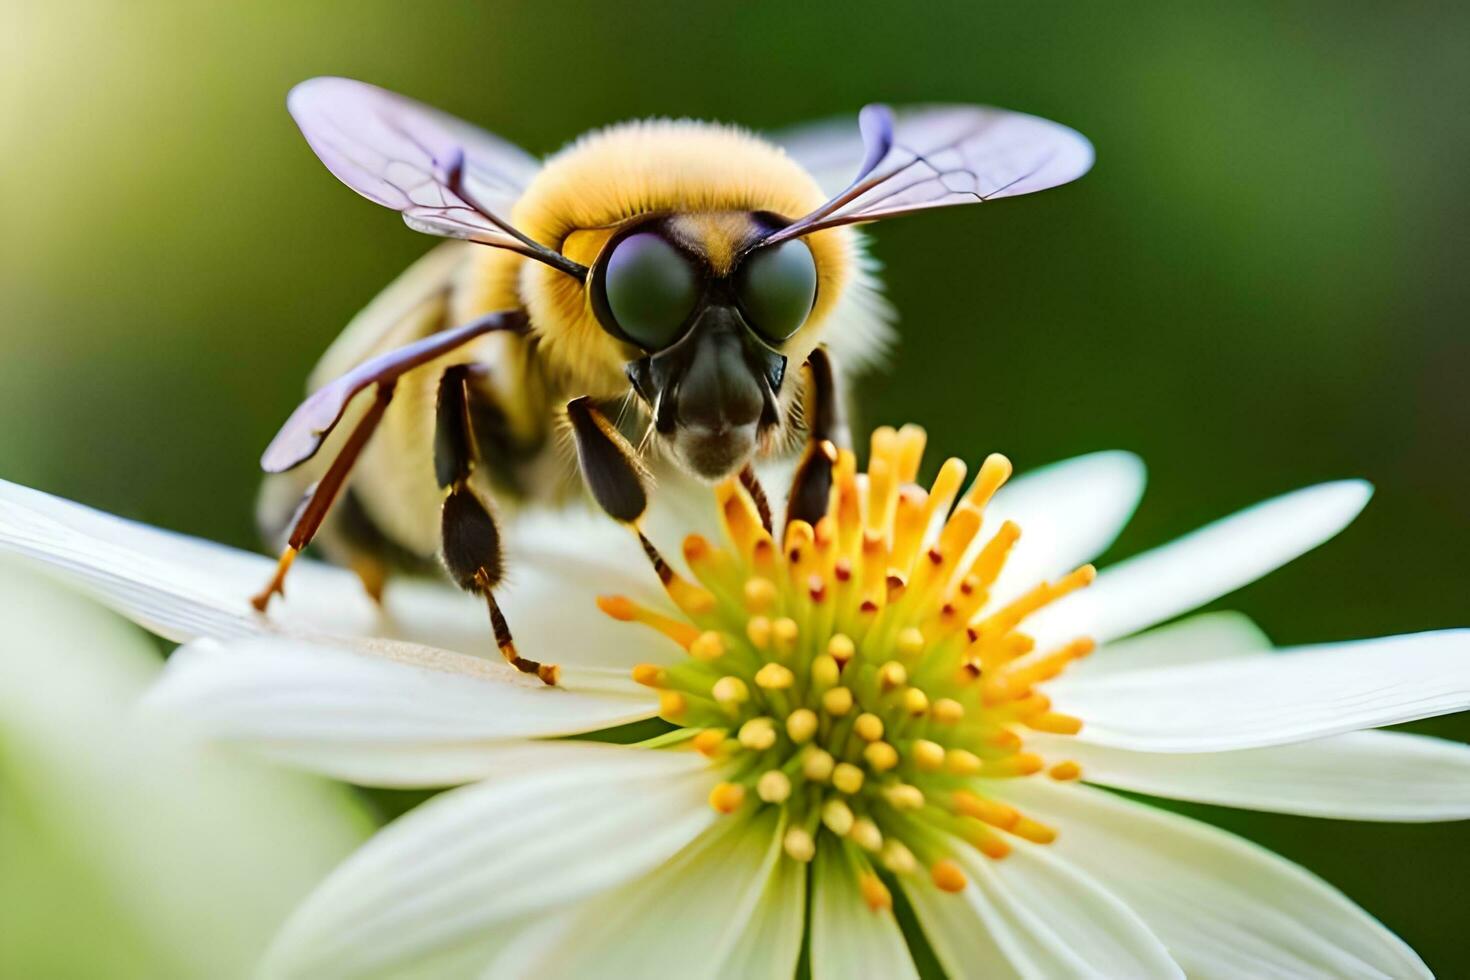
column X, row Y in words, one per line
column 730, row 691
column 708, row 646
column 650, row 675
column 948, row 876
column 928, row 756
column 869, row 727
column 1065, row 770
column 847, row 777
column 774, row 677
column 875, row 893
column 881, row 756
column 801, row 725
column 817, row 764
column 837, row 817
column 727, row 797
column 709, row 741
column 774, row 786
column 798, row 843
column 757, row 734
column 837, row 702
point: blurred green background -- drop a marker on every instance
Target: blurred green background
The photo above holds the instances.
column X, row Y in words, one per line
column 1261, row 285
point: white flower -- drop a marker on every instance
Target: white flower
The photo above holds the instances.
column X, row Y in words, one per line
column 948, row 768
column 128, row 849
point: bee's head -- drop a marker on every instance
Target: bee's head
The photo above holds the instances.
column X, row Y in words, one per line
column 709, row 309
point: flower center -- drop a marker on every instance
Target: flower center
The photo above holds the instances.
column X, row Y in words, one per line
column 856, row 673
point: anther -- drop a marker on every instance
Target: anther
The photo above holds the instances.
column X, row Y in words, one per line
column 1066, row 770
column 881, row 756
column 650, row 675
column 928, row 756
column 708, row 742
column 837, row 817
column 892, row 675
column 774, row 786
column 869, row 727
column 848, row 778
column 948, row 711
column 825, row 672
column 799, row 844
column 727, row 797
column 760, row 594
column 903, row 796
column 837, row 702
column 817, row 764
column 730, row 691
column 962, row 762
column 915, row 702
column 758, row 734
column 948, row 876
column 875, row 893
column 672, row 705
column 840, row 648
column 898, row 858
column 865, row 834
column 910, row 642
column 774, row 677
column 783, row 632
column 1038, row 833
column 758, row 631
column 708, row 646
column 801, row 725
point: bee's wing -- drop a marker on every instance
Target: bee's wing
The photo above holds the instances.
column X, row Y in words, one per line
column 892, row 163
column 443, row 175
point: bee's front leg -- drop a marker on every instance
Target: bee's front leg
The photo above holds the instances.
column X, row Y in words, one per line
column 811, row 487
column 469, row 537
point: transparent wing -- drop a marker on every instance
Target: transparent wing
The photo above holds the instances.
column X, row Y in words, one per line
column 929, row 157
column 443, row 175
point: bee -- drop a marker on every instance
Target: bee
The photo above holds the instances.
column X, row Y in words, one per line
column 678, row 267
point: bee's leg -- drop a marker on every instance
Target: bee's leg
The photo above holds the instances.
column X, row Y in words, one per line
column 811, row 487
column 318, row 499
column 469, row 537
column 610, row 467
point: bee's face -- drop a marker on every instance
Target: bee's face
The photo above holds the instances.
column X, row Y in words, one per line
column 709, row 311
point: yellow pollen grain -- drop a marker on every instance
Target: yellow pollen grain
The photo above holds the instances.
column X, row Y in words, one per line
column 898, row 858
column 892, row 675
column 707, row 646
column 730, row 691
column 784, row 632
column 758, row 631
column 881, row 756
column 928, row 756
column 904, row 796
column 910, row 642
column 847, row 777
column 1066, row 770
column 825, row 671
column 708, row 742
column 875, row 893
column 817, row 764
column 948, row 711
column 865, row 834
column 758, row 734
column 650, row 675
column 915, row 702
column 801, row 725
column 672, row 704
column 837, row 817
column 841, row 648
column 799, row 844
column 962, row 762
column 837, row 702
column 727, row 797
column 869, row 727
column 948, row 876
column 760, row 594
column 774, row 786
column 774, row 677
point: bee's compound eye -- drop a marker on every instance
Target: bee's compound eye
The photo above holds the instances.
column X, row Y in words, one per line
column 777, row 287
column 650, row 289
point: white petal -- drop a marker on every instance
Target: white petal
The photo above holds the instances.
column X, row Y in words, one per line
column 409, row 716
column 117, row 834
column 1047, row 918
column 969, row 935
column 848, row 939
column 1203, row 565
column 1068, row 512
column 1224, row 907
column 457, row 877
column 771, row 944
column 1261, row 699
column 1198, row 639
column 182, row 587
column 1357, row 776
column 684, row 919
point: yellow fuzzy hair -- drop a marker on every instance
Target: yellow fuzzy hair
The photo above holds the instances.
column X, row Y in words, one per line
column 661, row 166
